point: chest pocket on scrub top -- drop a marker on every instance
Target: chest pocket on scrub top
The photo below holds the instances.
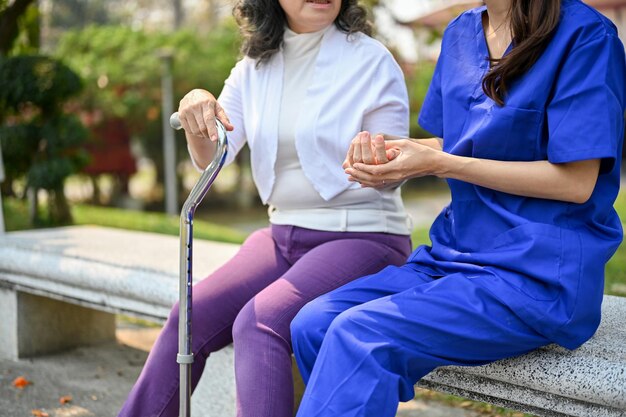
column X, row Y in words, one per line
column 507, row 133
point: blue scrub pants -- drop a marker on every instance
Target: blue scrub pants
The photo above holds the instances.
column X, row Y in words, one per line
column 361, row 348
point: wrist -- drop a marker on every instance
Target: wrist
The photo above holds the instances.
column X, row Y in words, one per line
column 443, row 163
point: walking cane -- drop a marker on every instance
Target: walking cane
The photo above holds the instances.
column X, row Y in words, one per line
column 185, row 355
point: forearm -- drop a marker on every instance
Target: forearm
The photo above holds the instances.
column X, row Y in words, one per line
column 433, row 143
column 202, row 150
column 572, row 182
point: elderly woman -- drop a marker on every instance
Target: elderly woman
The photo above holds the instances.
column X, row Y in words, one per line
column 310, row 80
column 529, row 97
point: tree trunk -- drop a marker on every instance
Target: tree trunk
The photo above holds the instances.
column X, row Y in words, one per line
column 8, row 24
column 6, row 187
column 95, row 195
column 58, row 207
column 33, row 204
column 178, row 14
column 212, row 10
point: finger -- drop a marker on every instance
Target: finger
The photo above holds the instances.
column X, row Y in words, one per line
column 362, row 176
column 363, row 182
column 366, row 149
column 349, row 156
column 393, row 153
column 221, row 114
column 356, row 154
column 183, row 121
column 388, row 137
column 208, row 112
column 379, row 148
column 369, row 169
column 189, row 120
column 201, row 122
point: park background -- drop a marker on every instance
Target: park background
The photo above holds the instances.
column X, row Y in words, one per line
column 84, row 85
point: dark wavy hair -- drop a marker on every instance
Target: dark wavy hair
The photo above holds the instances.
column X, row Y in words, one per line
column 262, row 24
column 533, row 23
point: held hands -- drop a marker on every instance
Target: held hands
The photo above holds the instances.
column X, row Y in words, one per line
column 197, row 112
column 364, row 149
column 380, row 164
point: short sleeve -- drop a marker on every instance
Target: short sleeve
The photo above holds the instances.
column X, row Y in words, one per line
column 586, row 112
column 431, row 115
column 390, row 112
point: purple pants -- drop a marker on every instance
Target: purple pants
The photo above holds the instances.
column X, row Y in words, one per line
column 251, row 301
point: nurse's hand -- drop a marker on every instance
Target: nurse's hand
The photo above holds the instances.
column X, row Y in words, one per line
column 364, row 149
column 198, row 110
column 408, row 159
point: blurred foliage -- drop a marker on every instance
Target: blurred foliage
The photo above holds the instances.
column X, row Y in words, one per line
column 418, row 81
column 36, row 80
column 39, row 141
column 78, row 13
column 121, row 67
column 19, row 27
column 122, row 72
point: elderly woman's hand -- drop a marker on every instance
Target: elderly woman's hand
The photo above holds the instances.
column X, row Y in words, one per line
column 197, row 112
column 406, row 159
column 364, row 149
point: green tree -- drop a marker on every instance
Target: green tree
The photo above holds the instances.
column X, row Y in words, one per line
column 122, row 73
column 39, row 141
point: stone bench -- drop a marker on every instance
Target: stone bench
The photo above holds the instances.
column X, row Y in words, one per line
column 60, row 287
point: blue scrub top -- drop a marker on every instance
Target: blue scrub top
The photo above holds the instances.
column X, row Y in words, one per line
column 545, row 259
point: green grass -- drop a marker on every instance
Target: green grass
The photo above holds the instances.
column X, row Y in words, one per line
column 419, row 236
column 16, row 218
column 615, row 283
column 485, row 409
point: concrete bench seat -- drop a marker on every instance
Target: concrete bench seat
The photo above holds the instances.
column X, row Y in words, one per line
column 59, row 288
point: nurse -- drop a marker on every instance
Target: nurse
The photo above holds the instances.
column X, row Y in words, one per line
column 528, row 96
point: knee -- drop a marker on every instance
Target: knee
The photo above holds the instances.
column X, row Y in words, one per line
column 309, row 325
column 255, row 319
column 245, row 322
column 350, row 324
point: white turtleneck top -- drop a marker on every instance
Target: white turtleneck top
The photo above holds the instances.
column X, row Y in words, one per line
column 294, row 200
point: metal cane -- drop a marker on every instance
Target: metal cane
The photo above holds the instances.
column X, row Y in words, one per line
column 185, row 355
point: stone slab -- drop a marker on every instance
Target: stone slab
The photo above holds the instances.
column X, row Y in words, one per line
column 46, row 325
column 8, row 324
column 555, row 378
column 112, row 269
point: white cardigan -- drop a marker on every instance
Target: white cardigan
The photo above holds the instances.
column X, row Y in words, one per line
column 355, row 78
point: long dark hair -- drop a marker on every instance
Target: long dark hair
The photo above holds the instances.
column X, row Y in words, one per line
column 262, row 25
column 533, row 23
